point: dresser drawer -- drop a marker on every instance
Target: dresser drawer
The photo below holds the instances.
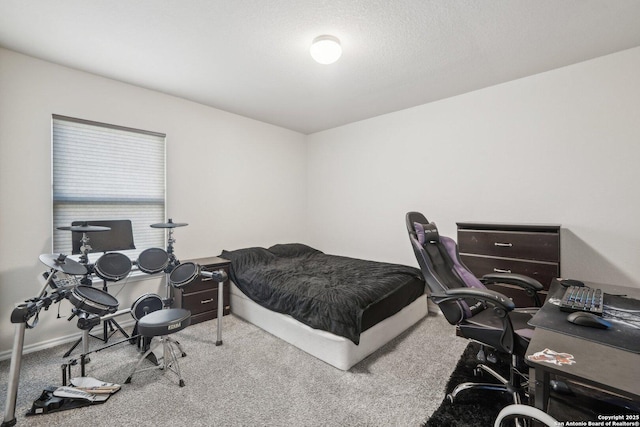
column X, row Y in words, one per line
column 510, row 244
column 541, row 271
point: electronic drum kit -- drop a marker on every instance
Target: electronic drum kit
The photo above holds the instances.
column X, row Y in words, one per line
column 93, row 305
column 114, row 267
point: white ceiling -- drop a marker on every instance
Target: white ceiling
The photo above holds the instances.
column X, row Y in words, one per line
column 250, row 57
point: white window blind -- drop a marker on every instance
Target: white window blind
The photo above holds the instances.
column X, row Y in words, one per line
column 105, row 172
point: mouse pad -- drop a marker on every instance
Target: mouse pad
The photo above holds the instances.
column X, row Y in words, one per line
column 622, row 312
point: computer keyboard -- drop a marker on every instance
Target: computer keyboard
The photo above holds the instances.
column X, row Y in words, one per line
column 582, row 298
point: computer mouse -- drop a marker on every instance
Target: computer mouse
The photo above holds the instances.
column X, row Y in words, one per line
column 571, row 282
column 583, row 318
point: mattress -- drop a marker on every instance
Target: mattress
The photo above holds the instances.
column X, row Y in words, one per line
column 341, row 295
column 335, row 350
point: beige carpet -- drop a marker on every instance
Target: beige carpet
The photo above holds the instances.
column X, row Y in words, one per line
column 254, row 379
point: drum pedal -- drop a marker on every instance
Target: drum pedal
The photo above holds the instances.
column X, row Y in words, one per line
column 48, row 403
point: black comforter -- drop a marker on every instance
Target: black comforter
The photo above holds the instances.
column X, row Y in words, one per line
column 323, row 291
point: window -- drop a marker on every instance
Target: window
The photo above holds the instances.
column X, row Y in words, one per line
column 106, row 172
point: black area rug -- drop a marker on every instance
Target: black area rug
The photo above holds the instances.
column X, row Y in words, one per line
column 472, row 408
column 477, row 408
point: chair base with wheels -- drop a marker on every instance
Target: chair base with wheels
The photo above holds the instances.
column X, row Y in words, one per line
column 161, row 324
column 512, row 386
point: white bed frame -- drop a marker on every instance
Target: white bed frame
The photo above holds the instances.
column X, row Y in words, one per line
column 337, row 351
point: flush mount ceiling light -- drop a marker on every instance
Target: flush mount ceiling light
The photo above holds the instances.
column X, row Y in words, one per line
column 326, row 49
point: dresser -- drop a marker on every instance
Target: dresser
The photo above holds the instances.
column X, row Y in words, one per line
column 201, row 295
column 529, row 249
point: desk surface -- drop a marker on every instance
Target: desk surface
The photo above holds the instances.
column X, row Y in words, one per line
column 605, row 367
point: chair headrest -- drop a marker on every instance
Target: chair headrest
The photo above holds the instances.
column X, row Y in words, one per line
column 426, row 232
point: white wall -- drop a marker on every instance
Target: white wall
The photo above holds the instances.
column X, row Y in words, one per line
column 237, row 182
column 558, row 147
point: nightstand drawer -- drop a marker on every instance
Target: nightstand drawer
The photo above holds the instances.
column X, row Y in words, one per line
column 203, row 283
column 509, row 244
column 201, row 295
column 541, row 271
column 198, row 302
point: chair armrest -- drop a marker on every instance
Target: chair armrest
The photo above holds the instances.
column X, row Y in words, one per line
column 524, row 282
column 530, row 285
column 487, row 295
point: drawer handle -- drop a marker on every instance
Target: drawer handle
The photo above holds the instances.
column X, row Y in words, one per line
column 205, row 279
column 499, row 270
column 207, row 301
column 503, row 245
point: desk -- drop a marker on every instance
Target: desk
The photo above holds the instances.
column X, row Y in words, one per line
column 607, row 368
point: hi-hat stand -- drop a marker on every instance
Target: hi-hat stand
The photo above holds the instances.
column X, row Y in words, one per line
column 173, row 261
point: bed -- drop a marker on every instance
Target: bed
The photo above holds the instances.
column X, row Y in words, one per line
column 336, row 308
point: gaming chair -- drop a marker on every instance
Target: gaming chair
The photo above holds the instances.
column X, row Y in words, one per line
column 479, row 314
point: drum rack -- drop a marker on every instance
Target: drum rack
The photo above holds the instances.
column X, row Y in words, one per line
column 66, row 367
column 30, row 309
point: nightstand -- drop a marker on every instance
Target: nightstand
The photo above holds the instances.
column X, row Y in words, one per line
column 201, row 295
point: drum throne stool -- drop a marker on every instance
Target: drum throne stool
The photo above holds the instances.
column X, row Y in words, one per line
column 161, row 324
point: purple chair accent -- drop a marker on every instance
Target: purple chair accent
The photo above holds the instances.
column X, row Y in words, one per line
column 468, row 278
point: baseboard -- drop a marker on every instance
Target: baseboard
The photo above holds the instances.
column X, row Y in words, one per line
column 43, row 345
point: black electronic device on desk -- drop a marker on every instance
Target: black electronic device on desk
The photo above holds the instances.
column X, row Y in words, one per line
column 582, row 298
column 590, row 320
column 585, row 305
